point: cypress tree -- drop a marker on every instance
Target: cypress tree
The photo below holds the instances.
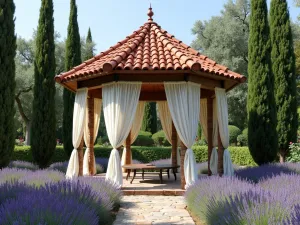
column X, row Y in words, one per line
column 73, row 58
column 7, row 78
column 262, row 135
column 150, row 118
column 89, row 46
column 283, row 65
column 43, row 138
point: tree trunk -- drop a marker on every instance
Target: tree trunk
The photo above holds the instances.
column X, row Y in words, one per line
column 282, row 155
column 27, row 133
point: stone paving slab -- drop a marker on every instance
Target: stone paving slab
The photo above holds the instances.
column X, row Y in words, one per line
column 148, row 210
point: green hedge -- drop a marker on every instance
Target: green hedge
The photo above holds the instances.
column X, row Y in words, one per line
column 239, row 155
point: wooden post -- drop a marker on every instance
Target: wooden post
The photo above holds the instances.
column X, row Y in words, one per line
column 209, row 130
column 174, row 145
column 182, row 155
column 128, row 150
column 80, row 157
column 220, row 156
column 91, row 135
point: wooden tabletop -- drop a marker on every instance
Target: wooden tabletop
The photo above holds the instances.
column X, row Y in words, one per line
column 149, row 166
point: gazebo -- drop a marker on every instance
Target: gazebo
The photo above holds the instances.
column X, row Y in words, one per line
column 150, row 65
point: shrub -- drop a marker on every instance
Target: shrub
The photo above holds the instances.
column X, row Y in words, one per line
column 41, row 177
column 295, row 216
column 23, row 165
column 198, row 195
column 262, row 172
column 294, row 154
column 239, row 155
column 254, row 206
column 234, row 132
column 102, row 140
column 12, row 174
column 46, row 208
column 110, row 194
column 145, row 133
column 144, row 139
column 160, row 139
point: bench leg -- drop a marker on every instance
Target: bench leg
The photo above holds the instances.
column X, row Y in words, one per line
column 128, row 174
column 143, row 174
column 174, row 172
column 134, row 173
column 168, row 171
column 160, row 176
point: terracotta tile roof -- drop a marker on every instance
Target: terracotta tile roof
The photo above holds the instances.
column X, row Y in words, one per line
column 148, row 48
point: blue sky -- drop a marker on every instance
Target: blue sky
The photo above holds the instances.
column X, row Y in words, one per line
column 113, row 20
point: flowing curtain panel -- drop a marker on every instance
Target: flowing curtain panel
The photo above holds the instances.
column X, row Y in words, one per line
column 120, row 102
column 184, row 104
column 222, row 112
column 136, row 127
column 86, row 136
column 214, row 153
column 166, row 123
column 77, row 133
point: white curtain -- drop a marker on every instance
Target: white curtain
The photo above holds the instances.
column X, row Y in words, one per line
column 214, row 153
column 165, row 119
column 184, row 104
column 203, row 121
column 222, row 112
column 120, row 102
column 97, row 114
column 77, row 133
column 166, row 123
column 136, row 127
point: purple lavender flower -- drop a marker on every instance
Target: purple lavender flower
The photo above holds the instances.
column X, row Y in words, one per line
column 12, row 189
column 42, row 207
column 264, row 171
column 23, row 165
column 41, row 177
column 108, row 191
column 294, row 218
column 198, row 195
column 12, row 174
column 255, row 206
column 60, row 166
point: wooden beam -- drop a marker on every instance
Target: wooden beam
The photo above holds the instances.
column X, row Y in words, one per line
column 97, row 82
column 80, row 157
column 128, row 150
column 209, row 131
column 91, row 135
column 150, row 96
column 206, row 83
column 182, row 155
column 174, row 145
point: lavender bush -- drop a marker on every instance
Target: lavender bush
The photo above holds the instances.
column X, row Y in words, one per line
column 294, row 217
column 12, row 174
column 255, row 206
column 11, row 190
column 42, row 207
column 199, row 194
column 41, row 177
column 108, row 191
column 62, row 166
column 269, row 170
column 23, row 165
column 161, row 162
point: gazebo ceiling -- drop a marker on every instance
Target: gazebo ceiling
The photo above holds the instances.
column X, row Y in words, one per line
column 150, row 55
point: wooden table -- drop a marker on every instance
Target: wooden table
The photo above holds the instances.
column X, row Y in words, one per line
column 144, row 167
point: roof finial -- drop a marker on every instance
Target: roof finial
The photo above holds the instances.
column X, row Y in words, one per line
column 150, row 13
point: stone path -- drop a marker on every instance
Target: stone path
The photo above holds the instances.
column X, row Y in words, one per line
column 144, row 210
